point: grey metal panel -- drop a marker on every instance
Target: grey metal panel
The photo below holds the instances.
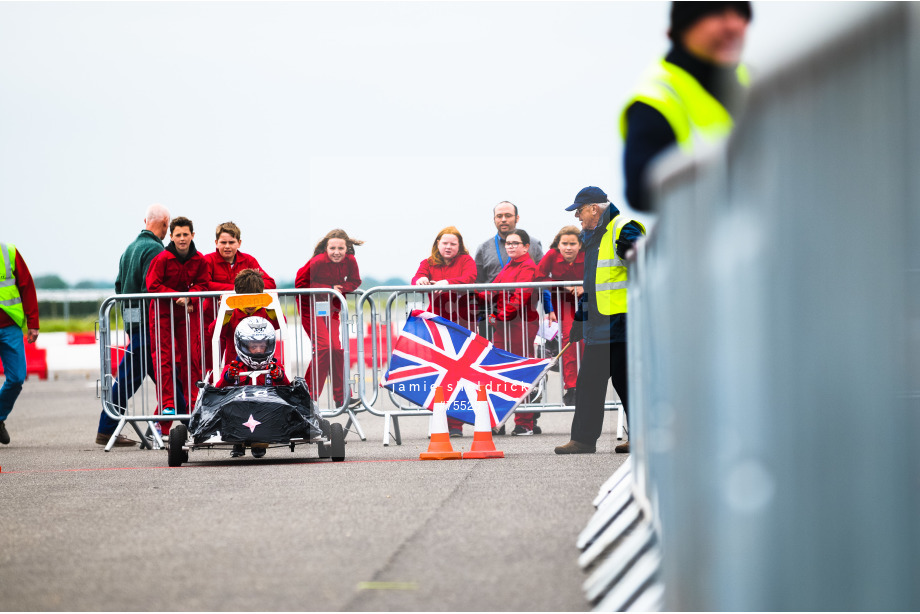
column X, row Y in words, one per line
column 775, row 319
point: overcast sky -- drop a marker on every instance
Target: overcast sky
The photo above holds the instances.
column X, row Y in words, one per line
column 388, row 119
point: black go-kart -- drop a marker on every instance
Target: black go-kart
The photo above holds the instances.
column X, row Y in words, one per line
column 268, row 416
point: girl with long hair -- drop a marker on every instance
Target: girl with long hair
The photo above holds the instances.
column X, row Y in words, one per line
column 333, row 265
column 564, row 262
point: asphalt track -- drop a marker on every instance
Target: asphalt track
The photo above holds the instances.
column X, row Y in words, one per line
column 81, row 529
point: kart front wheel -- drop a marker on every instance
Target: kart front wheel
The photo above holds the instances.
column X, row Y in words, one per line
column 337, row 445
column 178, row 435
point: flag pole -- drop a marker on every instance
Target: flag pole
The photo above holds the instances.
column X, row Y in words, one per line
column 536, row 379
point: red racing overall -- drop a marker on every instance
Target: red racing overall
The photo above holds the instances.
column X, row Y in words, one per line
column 324, row 331
column 450, row 305
column 553, row 267
column 516, row 320
column 173, row 332
column 222, row 275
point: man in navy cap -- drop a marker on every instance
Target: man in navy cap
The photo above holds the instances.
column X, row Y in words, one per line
column 601, row 316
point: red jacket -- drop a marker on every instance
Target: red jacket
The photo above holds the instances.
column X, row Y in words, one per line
column 553, row 267
column 168, row 274
column 507, row 304
column 321, row 272
column 26, row 293
column 223, row 273
column 461, row 271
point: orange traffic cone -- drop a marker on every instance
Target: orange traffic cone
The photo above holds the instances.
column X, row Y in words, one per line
column 483, row 446
column 439, row 447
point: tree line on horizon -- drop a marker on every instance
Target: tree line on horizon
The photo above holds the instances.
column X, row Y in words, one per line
column 55, row 282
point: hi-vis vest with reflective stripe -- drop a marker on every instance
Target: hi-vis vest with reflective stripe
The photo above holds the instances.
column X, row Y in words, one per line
column 610, row 278
column 10, row 301
column 694, row 115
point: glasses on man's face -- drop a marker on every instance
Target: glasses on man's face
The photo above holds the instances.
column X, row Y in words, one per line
column 581, row 208
column 513, row 243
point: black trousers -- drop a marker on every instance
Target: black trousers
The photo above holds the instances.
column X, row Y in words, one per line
column 599, row 363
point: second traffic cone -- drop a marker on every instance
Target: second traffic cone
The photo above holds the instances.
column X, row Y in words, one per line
column 439, row 447
column 483, row 446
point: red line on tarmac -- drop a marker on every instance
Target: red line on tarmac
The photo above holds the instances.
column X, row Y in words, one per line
column 194, row 466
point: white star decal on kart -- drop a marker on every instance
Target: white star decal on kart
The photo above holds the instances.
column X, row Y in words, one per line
column 251, row 424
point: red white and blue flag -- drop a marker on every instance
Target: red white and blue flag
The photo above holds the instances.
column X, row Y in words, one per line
column 431, row 351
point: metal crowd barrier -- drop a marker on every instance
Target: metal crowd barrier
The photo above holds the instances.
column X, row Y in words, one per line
column 388, row 307
column 774, row 338
column 133, row 340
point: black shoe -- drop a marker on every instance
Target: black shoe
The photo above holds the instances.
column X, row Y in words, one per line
column 499, row 431
column 536, row 429
column 258, row 451
column 521, row 430
column 238, row 450
column 622, row 448
column 4, row 435
column 569, row 397
column 455, row 432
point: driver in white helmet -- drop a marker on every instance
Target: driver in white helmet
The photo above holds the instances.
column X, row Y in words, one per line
column 254, row 341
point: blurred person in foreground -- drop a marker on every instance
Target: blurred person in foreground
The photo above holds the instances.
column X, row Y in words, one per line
column 18, row 313
column 601, row 317
column 692, row 96
column 137, row 362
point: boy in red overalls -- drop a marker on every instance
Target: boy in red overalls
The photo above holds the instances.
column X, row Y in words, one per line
column 175, row 325
column 225, row 263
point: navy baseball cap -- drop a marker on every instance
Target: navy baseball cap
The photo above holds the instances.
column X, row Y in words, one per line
column 588, row 196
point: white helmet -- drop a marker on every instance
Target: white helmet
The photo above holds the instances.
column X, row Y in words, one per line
column 255, row 342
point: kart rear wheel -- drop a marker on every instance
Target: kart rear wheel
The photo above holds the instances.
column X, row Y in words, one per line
column 178, row 435
column 337, row 445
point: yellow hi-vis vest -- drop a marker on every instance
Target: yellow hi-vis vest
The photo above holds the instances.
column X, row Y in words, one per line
column 10, row 301
column 694, row 115
column 610, row 278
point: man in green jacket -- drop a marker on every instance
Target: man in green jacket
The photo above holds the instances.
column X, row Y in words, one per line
column 137, row 362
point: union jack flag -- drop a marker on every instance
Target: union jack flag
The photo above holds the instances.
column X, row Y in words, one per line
column 431, row 351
